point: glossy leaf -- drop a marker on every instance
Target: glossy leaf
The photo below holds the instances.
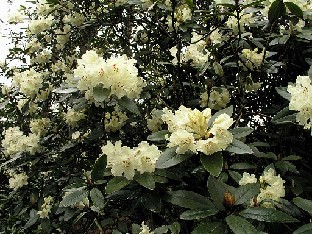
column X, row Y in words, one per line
column 213, row 163
column 240, row 225
column 116, row 184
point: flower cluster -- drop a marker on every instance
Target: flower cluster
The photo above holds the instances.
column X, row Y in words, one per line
column 28, row 81
column 45, row 207
column 272, row 187
column 16, row 142
column 196, row 52
column 40, row 126
column 18, row 181
column 301, row 100
column 217, row 99
column 124, row 160
column 117, row 74
column 182, row 14
column 114, row 120
column 145, row 229
column 155, row 122
column 190, row 130
column 72, row 117
column 252, row 59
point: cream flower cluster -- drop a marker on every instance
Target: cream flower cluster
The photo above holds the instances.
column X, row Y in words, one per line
column 245, row 19
column 18, row 181
column 195, row 52
column 38, row 25
column 155, row 122
column 118, row 74
column 217, row 99
column 124, row 160
column 145, row 229
column 301, row 100
column 182, row 14
column 115, row 120
column 72, row 117
column 28, row 81
column 252, row 59
column 45, row 207
column 190, row 130
column 40, row 126
column 272, row 187
column 16, row 142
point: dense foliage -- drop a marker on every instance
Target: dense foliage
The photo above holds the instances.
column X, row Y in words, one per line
column 167, row 116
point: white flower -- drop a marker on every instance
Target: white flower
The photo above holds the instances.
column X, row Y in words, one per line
column 72, row 117
column 183, row 139
column 28, row 81
column 248, row 179
column 301, row 99
column 18, row 181
column 218, row 98
column 252, row 59
column 145, row 229
column 115, row 120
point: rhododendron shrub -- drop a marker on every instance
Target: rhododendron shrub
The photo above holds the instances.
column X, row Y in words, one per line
column 167, row 116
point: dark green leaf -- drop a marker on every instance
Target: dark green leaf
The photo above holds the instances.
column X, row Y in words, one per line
column 239, row 147
column 33, row 217
column 240, row 225
column 285, row 166
column 294, row 9
column 246, row 192
column 146, row 179
column 284, row 116
column 210, row 228
column 242, row 166
column 198, row 214
column 305, row 229
column 98, row 169
column 129, row 105
column 217, row 190
column 100, row 94
column 240, row 132
column 213, row 163
column 291, row 158
column 189, row 199
column 276, row 10
column 74, row 198
column 158, row 136
column 170, row 158
column 303, row 204
column 283, row 92
column 116, row 184
column 97, row 198
column 235, row 176
column 267, row 215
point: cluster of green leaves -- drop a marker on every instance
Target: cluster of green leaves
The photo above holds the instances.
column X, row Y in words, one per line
column 186, row 193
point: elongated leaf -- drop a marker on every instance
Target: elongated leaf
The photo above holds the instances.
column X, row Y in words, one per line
column 240, row 225
column 303, row 204
column 217, row 190
column 73, row 198
column 210, row 228
column 239, row 147
column 284, row 116
column 129, row 105
column 305, row 229
column 246, row 192
column 283, row 92
column 158, row 136
column 267, row 215
column 146, row 179
column 189, row 199
column 294, row 9
column 116, row 184
column 33, row 217
column 276, row 10
column 170, row 158
column 241, row 132
column 213, row 163
column 291, row 158
column 198, row 214
column 97, row 198
column 242, row 166
column 98, row 169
